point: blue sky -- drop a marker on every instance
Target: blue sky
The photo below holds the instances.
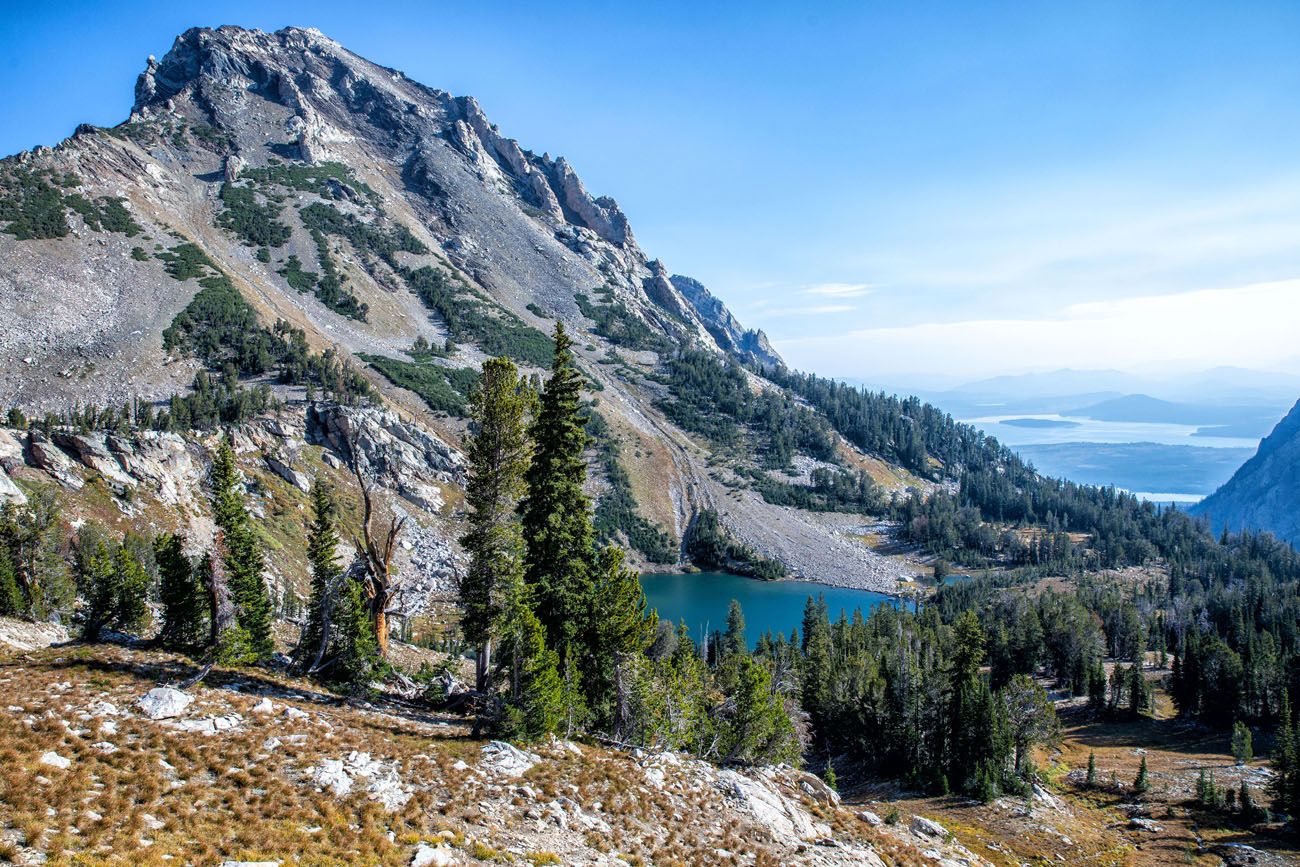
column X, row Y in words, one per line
column 898, row 192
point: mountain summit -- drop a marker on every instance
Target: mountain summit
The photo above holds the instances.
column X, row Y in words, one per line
column 276, row 206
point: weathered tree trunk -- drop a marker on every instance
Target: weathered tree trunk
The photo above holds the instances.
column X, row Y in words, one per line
column 482, row 665
column 326, row 624
column 381, row 629
column 221, row 605
column 377, row 554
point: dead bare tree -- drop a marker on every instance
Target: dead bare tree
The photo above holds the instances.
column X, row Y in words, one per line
column 376, row 552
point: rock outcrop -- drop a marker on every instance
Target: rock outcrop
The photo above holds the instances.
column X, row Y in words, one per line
column 748, row 345
column 402, row 456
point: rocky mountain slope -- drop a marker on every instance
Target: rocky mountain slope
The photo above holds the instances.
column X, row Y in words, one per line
column 373, row 219
column 1264, row 494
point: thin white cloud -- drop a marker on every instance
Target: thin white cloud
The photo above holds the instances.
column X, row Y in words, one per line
column 838, row 290
column 813, row 310
column 1247, row 326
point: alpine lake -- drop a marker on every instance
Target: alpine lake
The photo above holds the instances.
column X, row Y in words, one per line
column 701, row 600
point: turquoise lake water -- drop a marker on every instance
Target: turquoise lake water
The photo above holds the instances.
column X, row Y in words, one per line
column 702, row 600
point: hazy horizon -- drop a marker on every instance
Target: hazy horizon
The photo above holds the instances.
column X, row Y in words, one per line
column 888, row 196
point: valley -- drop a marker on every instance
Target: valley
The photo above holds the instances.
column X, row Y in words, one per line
column 369, row 495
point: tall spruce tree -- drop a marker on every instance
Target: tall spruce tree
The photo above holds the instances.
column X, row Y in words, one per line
column 498, row 451
column 184, row 611
column 243, row 561
column 755, row 728
column 326, row 576
column 556, row 514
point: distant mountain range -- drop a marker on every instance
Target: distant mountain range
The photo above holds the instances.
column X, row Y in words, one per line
column 1264, row 494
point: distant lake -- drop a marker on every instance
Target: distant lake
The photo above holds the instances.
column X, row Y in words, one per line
column 1018, row 430
column 702, row 600
column 1040, row 422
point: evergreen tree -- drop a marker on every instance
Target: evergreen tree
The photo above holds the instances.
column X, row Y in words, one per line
column 115, row 587
column 1243, row 748
column 556, row 514
column 1247, row 803
column 1091, row 780
column 326, row 578
column 97, row 580
column 181, row 594
column 535, row 693
column 498, row 451
column 12, row 602
column 1031, row 716
column 31, row 537
column 1142, row 783
column 355, row 662
column 1139, row 698
column 1282, row 786
column 1097, row 687
column 243, row 562
column 757, row 729
column 621, row 629
column 818, row 666
column 733, row 640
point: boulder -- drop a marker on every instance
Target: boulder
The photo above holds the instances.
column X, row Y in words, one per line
column 161, row 461
column 93, row 451
column 928, row 828
column 870, row 818
column 54, row 760
column 281, row 468
column 400, row 455
column 815, row 787
column 506, row 759
column 433, row 856
column 163, row 702
column 11, row 450
column 9, row 492
column 209, row 725
column 786, row 819
column 379, row 779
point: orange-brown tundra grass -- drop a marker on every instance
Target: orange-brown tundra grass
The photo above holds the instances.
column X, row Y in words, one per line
column 170, row 797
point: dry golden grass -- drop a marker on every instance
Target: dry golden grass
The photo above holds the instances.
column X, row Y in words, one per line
column 169, row 797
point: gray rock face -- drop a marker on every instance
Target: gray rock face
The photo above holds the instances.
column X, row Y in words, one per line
column 47, row 456
column 9, row 492
column 1264, row 494
column 749, row 346
column 402, row 456
column 282, row 468
column 92, row 450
